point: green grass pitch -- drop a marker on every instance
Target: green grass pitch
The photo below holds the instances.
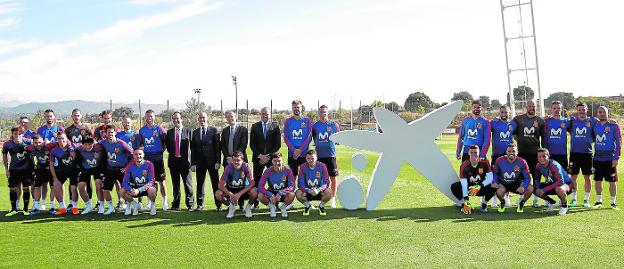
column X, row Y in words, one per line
column 415, row 226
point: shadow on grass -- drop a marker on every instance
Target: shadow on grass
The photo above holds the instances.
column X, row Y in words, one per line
column 211, row 217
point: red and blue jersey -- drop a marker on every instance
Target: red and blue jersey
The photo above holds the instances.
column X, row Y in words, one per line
column 118, row 154
column 28, row 136
column 474, row 132
column 40, row 156
column 297, row 134
column 316, row 177
column 554, row 176
column 556, row 135
column 237, row 179
column 49, row 133
column 20, row 159
column 140, row 177
column 63, row 159
column 153, row 140
column 321, row 131
column 502, row 135
column 607, row 141
column 131, row 138
column 581, row 134
column 90, row 159
column 511, row 172
column 278, row 182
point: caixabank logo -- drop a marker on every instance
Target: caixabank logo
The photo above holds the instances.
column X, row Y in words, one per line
column 399, row 142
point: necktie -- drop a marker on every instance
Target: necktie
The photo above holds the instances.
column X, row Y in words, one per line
column 264, row 130
column 231, row 140
column 201, row 134
column 177, row 143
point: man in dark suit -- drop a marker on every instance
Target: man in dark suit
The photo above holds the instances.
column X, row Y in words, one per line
column 179, row 147
column 264, row 140
column 205, row 157
column 233, row 138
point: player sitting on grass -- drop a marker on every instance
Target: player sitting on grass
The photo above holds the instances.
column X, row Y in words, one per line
column 281, row 186
column 511, row 174
column 475, row 177
column 557, row 181
column 138, row 181
column 237, row 184
column 313, row 179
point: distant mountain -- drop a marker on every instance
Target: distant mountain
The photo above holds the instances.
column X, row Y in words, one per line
column 86, row 107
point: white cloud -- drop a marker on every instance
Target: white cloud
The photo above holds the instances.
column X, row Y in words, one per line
column 9, row 23
column 9, row 6
column 7, row 46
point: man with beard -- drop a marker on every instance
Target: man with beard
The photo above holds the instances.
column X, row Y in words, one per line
column 106, row 117
column 24, row 124
column 502, row 136
column 474, row 130
column 63, row 167
column 556, row 181
column 48, row 133
column 608, row 145
column 76, row 133
column 511, row 174
column 19, row 168
column 153, row 138
column 126, row 134
column 118, row 155
column 529, row 135
column 297, row 136
column 581, row 130
column 556, row 136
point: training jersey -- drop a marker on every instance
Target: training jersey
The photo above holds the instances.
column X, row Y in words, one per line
column 20, row 159
column 40, row 156
column 297, row 134
column 153, row 140
column 63, row 160
column 131, row 138
column 140, row 177
column 49, row 133
column 581, row 134
column 476, row 175
column 511, row 172
column 502, row 135
column 281, row 182
column 474, row 132
column 118, row 154
column 529, row 134
column 237, row 179
column 90, row 159
column 316, row 177
column 608, row 141
column 556, row 135
column 321, row 131
column 553, row 173
column 77, row 134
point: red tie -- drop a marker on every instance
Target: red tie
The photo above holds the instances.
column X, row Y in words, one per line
column 177, row 142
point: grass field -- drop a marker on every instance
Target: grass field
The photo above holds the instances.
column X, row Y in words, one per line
column 415, row 226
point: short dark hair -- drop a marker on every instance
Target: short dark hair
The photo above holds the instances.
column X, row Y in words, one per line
column 503, row 106
column 476, row 102
column 276, row 155
column 296, row 102
column 311, row 152
column 149, row 111
column 545, row 150
column 581, row 104
column 556, row 102
column 474, row 147
column 322, row 106
column 105, row 112
column 110, row 126
column 176, row 112
column 512, row 145
column 15, row 129
column 88, row 140
column 237, row 154
column 75, row 110
column 48, row 111
column 36, row 136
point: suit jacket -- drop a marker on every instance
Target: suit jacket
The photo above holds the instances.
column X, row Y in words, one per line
column 207, row 150
column 185, row 145
column 240, row 142
column 259, row 144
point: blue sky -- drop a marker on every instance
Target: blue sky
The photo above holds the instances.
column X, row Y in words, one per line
column 356, row 50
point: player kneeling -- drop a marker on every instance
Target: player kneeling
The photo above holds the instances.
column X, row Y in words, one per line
column 138, row 181
column 237, row 185
column 475, row 177
column 281, row 186
column 557, row 182
column 313, row 179
column 511, row 174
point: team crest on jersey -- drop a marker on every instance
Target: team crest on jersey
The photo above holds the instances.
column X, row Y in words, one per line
column 479, row 125
column 480, row 170
column 563, row 125
column 155, row 133
column 588, row 124
column 283, row 178
column 535, row 124
column 329, row 128
column 132, row 138
column 116, row 150
column 318, row 174
column 607, row 129
column 242, row 174
column 510, row 127
column 144, row 172
column 303, row 125
column 517, row 168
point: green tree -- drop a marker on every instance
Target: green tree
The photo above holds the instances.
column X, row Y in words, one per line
column 393, row 106
column 416, row 99
column 189, row 114
column 121, row 112
column 522, row 94
column 496, row 104
column 464, row 96
column 567, row 98
column 485, row 102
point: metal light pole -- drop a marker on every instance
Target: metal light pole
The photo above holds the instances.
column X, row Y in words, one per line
column 198, row 92
column 236, row 92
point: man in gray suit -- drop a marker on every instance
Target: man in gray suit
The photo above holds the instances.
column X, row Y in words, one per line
column 233, row 138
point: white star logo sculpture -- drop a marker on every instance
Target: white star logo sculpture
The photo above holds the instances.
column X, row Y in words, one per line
column 402, row 142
